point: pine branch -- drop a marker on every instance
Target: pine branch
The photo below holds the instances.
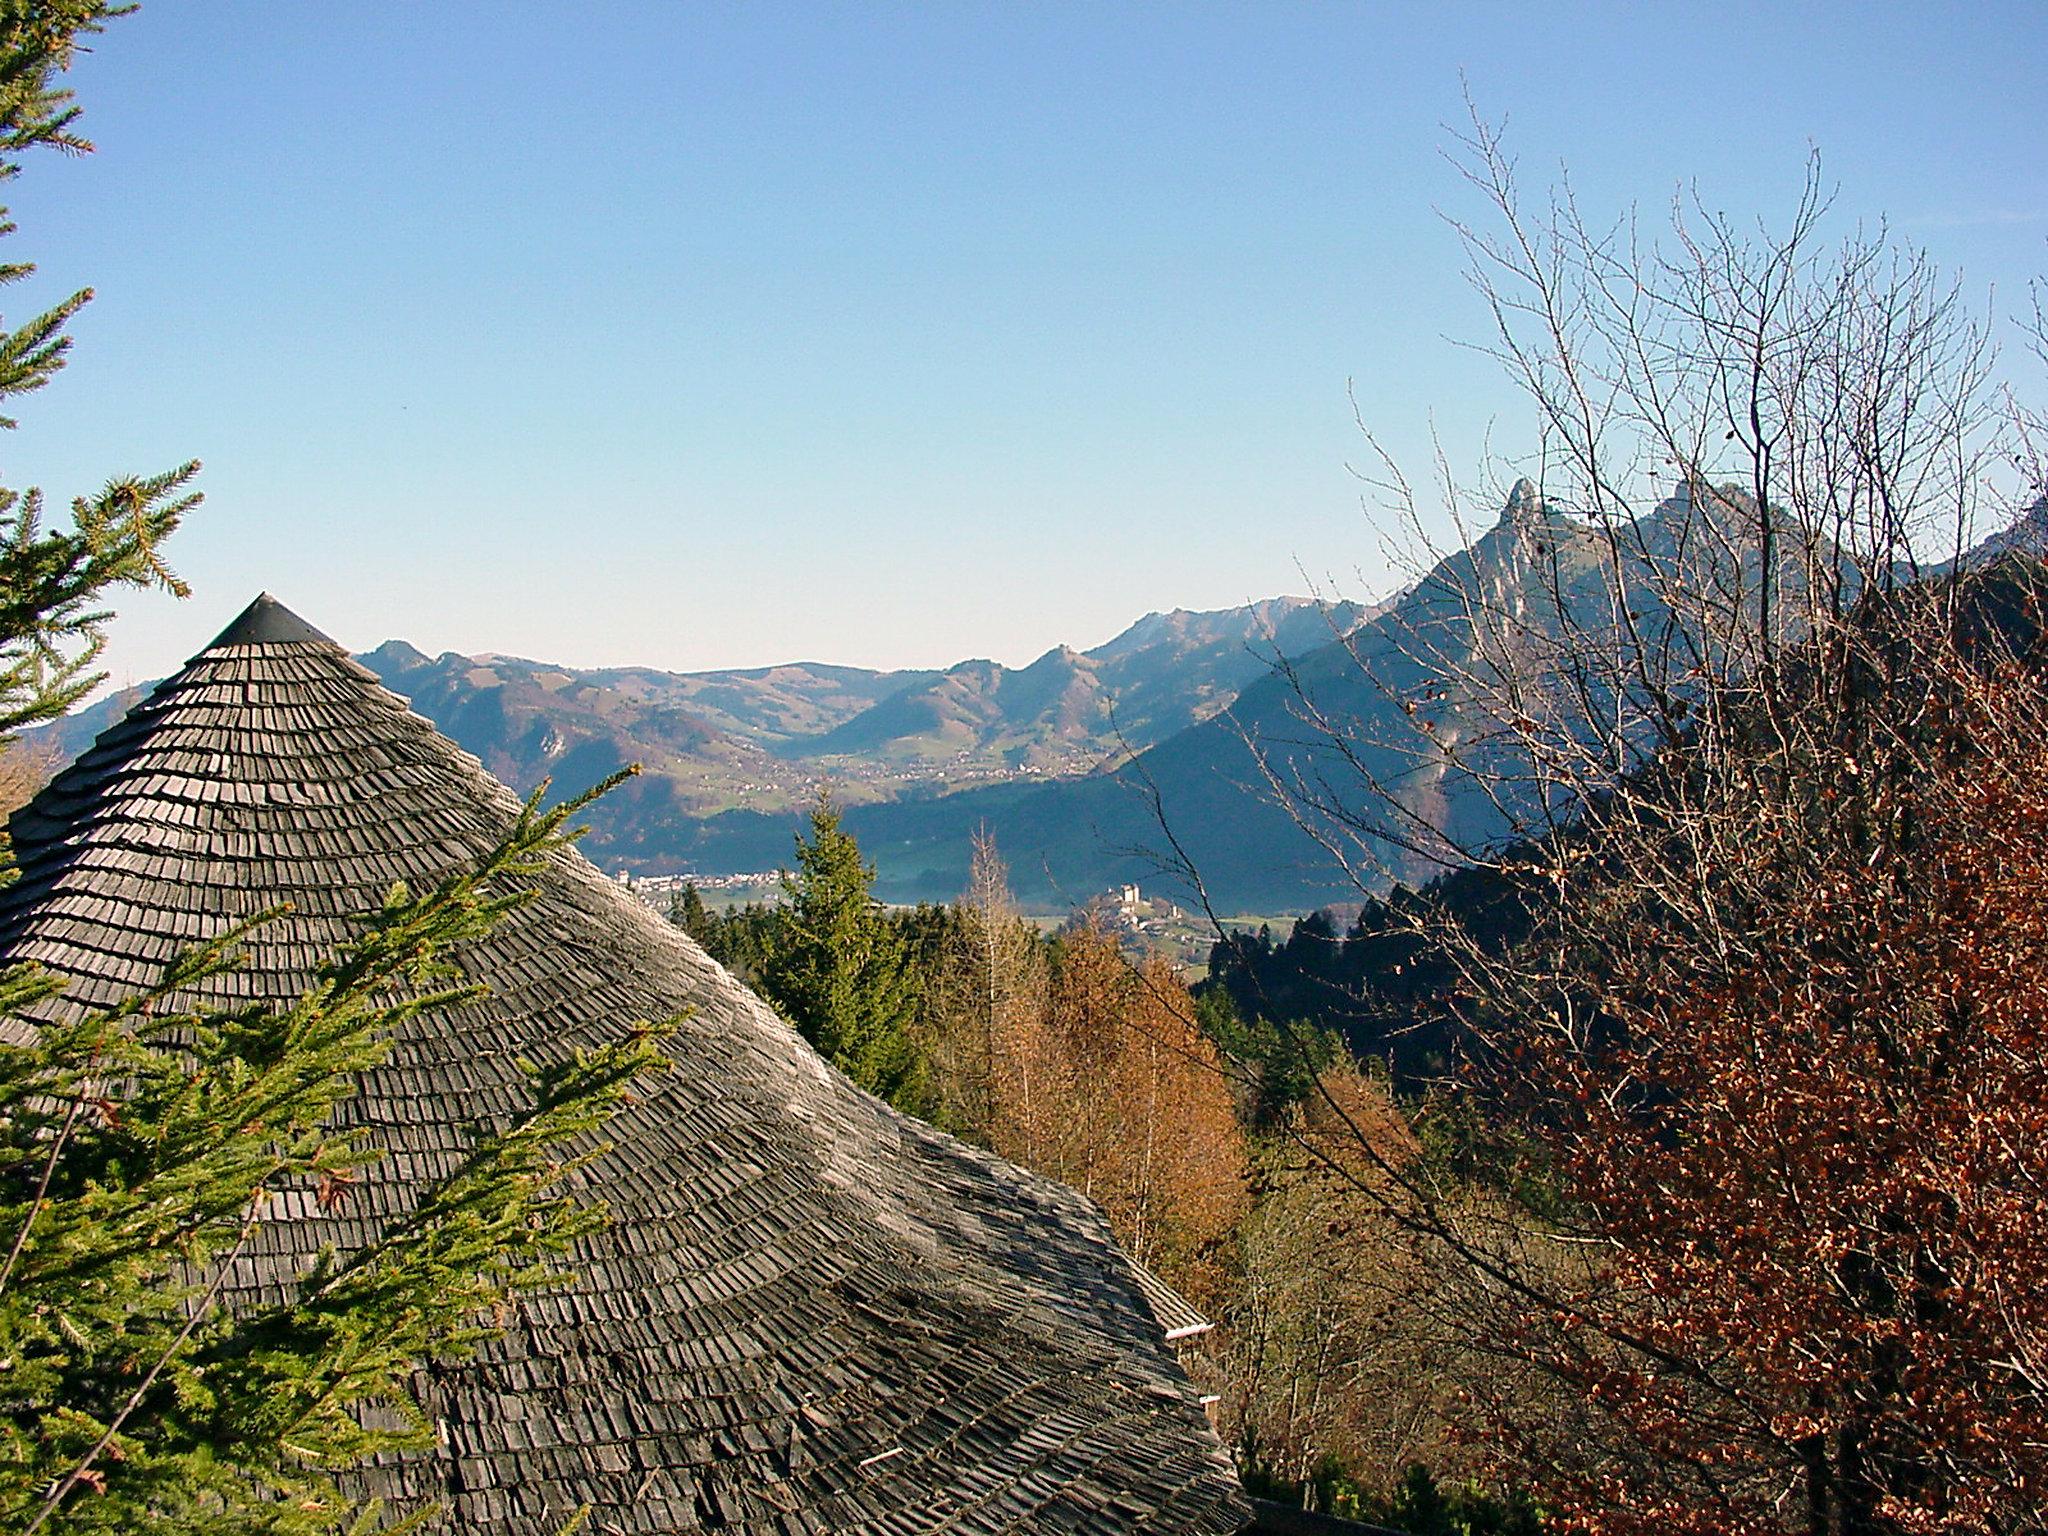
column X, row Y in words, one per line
column 200, row 1313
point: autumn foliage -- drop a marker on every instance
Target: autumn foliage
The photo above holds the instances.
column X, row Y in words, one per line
column 1114, row 1089
column 1806, row 1163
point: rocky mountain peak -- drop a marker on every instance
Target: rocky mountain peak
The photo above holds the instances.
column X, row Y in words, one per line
column 1526, row 508
column 2026, row 535
column 397, row 656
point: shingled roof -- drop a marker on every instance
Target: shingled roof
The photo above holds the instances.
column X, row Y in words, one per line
column 810, row 1314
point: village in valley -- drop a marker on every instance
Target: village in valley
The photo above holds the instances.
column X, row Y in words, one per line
column 1143, row 925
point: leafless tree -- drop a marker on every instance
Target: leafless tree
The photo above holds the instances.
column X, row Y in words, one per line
column 984, row 995
column 1741, row 436
column 1717, row 700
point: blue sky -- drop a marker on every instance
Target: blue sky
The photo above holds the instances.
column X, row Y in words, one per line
column 705, row 335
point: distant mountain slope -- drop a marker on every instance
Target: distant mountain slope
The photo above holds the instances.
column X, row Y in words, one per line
column 746, row 748
column 62, row 740
column 1052, row 715
column 780, row 707
column 2026, row 535
column 1172, row 670
column 529, row 721
column 764, row 706
column 1070, row 839
column 1069, row 710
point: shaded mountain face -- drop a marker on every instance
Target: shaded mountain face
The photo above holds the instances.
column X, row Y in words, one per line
column 1069, row 839
column 1340, row 721
column 62, row 740
column 1172, row 670
column 2027, row 535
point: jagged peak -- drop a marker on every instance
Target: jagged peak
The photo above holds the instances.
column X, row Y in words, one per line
column 1059, row 653
column 2026, row 534
column 975, row 666
column 403, row 654
column 1525, row 506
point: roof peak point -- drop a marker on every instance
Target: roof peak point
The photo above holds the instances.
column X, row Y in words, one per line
column 266, row 621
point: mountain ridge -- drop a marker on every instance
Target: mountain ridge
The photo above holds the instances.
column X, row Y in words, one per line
column 1336, row 709
column 764, row 739
column 1066, row 759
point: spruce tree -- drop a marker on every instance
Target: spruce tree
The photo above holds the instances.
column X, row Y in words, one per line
column 694, row 916
column 837, row 968
column 53, row 582
column 687, row 911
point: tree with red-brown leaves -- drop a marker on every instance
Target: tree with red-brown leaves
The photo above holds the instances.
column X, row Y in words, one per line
column 1796, row 1266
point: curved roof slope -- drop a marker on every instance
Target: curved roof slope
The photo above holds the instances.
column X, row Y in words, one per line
column 811, row 1313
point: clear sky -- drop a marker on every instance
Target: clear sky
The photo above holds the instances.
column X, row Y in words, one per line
column 700, row 335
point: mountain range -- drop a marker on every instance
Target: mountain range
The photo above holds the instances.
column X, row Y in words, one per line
column 1336, row 718
column 1200, row 802
column 1150, row 758
column 732, row 759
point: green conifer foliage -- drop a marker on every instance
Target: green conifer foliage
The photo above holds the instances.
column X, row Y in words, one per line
column 837, row 969
column 52, row 581
column 688, row 912
column 135, row 1398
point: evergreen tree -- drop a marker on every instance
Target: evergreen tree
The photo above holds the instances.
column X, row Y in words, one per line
column 687, row 911
column 837, row 969
column 742, row 939
column 1272, row 1067
column 142, row 1146
column 53, row 582
column 695, row 916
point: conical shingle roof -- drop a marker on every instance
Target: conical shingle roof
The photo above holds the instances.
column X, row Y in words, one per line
column 810, row 1314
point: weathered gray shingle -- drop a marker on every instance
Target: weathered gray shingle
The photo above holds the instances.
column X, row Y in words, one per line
column 811, row 1314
